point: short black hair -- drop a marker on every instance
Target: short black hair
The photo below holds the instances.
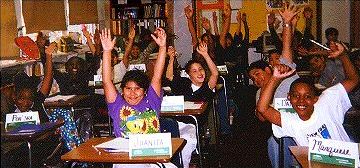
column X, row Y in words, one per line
column 331, row 30
column 307, row 81
column 260, row 64
column 189, row 63
column 137, row 76
column 274, row 51
column 23, row 82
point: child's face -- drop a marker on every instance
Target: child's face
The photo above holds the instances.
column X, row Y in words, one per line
column 197, row 74
column 24, row 100
column 260, row 77
column 302, row 99
column 317, row 65
column 133, row 93
column 135, row 51
column 274, row 59
column 73, row 67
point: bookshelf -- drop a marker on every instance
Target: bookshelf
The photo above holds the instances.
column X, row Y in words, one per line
column 145, row 14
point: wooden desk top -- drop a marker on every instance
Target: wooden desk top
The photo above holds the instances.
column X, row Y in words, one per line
column 194, row 112
column 68, row 103
column 301, row 155
column 37, row 131
column 86, row 153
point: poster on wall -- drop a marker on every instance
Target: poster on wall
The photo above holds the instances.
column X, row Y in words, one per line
column 299, row 2
column 274, row 4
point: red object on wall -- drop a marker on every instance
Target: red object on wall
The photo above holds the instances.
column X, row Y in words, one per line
column 28, row 46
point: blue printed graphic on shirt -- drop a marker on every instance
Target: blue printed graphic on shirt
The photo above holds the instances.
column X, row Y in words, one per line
column 322, row 132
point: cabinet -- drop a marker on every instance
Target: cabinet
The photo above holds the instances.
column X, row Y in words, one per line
column 148, row 14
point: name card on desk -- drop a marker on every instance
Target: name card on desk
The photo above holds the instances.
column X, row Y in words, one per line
column 15, row 120
column 97, row 80
column 222, row 69
column 172, row 104
column 157, row 144
column 283, row 105
column 137, row 67
column 333, row 152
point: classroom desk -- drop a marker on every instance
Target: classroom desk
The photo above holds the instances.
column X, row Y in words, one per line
column 301, row 155
column 38, row 131
column 86, row 153
column 193, row 113
column 70, row 103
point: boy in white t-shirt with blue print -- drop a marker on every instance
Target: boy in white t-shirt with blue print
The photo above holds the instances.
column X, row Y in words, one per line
column 316, row 116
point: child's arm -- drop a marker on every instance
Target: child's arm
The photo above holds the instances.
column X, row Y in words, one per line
column 246, row 27
column 203, row 50
column 129, row 45
column 288, row 14
column 48, row 76
column 88, row 39
column 352, row 76
column 189, row 15
column 160, row 40
column 226, row 25
column 170, row 67
column 108, row 45
column 215, row 23
column 267, row 93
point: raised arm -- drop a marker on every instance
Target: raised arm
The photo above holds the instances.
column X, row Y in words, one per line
column 129, row 46
column 308, row 15
column 238, row 18
column 88, row 39
column 226, row 25
column 246, row 27
column 108, row 44
column 287, row 15
column 352, row 76
column 275, row 37
column 215, row 23
column 263, row 106
column 189, row 17
column 203, row 50
column 160, row 40
column 205, row 23
column 48, row 76
column 170, row 68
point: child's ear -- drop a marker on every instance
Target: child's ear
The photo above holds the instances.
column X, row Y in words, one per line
column 316, row 98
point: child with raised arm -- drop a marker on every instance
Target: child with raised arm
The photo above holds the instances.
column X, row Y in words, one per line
column 137, row 109
column 315, row 116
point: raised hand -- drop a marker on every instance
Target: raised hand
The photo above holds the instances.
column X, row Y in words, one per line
column 132, row 32
column 106, row 41
column 205, row 22
column 97, row 39
column 337, row 49
column 171, row 52
column 227, row 11
column 243, row 18
column 238, row 16
column 202, row 49
column 85, row 32
column 282, row 71
column 188, row 12
column 159, row 37
column 271, row 19
column 214, row 17
column 308, row 13
column 289, row 12
column 50, row 49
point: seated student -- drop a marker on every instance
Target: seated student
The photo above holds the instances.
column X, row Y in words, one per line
column 140, row 97
column 194, row 88
column 326, row 111
column 27, row 99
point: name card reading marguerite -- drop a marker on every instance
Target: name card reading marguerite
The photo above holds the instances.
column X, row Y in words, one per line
column 172, row 104
column 14, row 120
column 137, row 67
column 283, row 105
column 157, row 144
column 333, row 152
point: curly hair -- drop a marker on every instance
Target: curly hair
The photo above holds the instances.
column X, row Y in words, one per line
column 137, row 76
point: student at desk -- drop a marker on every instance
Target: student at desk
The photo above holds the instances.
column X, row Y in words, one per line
column 140, row 101
column 27, row 99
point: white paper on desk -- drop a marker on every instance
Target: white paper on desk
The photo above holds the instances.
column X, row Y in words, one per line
column 59, row 97
column 115, row 145
column 192, row 105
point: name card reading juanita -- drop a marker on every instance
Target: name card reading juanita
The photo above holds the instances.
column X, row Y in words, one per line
column 334, row 152
column 150, row 144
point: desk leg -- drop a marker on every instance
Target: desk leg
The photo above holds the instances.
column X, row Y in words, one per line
column 29, row 147
column 198, row 138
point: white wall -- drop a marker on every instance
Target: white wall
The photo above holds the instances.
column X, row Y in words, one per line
column 183, row 43
column 336, row 13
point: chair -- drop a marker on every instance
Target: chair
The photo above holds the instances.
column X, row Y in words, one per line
column 170, row 125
